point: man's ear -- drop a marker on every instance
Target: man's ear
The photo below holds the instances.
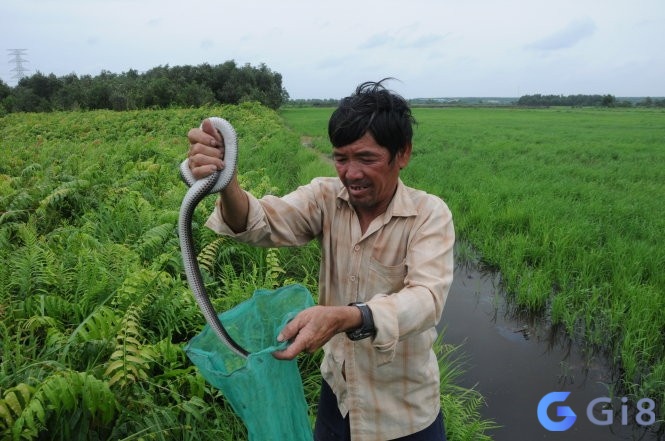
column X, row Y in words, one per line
column 404, row 156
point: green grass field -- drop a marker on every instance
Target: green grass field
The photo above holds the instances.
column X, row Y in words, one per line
column 567, row 205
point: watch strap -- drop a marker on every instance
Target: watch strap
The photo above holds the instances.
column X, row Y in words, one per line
column 366, row 328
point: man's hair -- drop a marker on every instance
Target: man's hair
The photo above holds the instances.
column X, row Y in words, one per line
column 374, row 109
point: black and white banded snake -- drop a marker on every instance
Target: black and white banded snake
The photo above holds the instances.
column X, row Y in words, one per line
column 198, row 190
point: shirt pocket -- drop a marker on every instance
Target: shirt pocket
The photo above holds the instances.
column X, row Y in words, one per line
column 386, row 279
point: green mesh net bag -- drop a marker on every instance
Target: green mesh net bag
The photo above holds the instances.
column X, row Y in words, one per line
column 266, row 393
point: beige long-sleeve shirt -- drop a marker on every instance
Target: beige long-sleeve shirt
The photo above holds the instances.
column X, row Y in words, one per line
column 402, row 267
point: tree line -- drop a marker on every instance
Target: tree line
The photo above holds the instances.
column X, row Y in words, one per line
column 160, row 87
column 539, row 100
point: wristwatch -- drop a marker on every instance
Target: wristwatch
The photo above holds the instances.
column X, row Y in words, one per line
column 366, row 329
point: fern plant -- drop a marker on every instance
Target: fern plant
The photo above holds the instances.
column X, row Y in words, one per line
column 274, row 272
column 151, row 243
column 30, row 264
column 90, row 343
column 14, row 400
column 67, row 405
column 130, row 361
column 64, row 199
column 207, row 257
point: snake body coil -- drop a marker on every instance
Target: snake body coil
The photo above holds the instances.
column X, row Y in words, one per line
column 198, row 190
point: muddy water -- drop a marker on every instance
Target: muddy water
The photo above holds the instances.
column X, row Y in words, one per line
column 515, row 362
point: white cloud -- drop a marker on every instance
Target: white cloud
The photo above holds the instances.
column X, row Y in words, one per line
column 569, row 36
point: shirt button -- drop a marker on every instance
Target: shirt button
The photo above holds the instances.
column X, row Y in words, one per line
column 356, row 248
column 353, row 278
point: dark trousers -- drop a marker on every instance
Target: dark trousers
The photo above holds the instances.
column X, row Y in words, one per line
column 330, row 426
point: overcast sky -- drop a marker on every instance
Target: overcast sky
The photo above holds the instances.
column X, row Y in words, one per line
column 323, row 49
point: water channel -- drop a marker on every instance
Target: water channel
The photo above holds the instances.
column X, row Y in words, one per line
column 514, row 362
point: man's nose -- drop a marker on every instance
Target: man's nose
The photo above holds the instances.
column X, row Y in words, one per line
column 353, row 170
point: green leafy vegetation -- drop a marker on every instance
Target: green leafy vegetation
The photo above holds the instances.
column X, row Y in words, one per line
column 94, row 305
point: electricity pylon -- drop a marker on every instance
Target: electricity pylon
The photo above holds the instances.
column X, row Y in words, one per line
column 18, row 60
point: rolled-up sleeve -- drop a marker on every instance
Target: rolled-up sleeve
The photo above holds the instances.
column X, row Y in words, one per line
column 291, row 220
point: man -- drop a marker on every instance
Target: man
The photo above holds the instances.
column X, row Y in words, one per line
column 386, row 269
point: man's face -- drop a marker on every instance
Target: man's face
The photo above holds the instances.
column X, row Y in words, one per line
column 370, row 178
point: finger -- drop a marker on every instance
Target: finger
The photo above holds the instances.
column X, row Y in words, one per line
column 291, row 351
column 198, row 136
column 203, row 171
column 289, row 331
column 205, row 135
column 210, row 129
column 205, row 156
column 203, row 165
column 202, row 150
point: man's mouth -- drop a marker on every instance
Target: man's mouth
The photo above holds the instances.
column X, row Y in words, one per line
column 357, row 188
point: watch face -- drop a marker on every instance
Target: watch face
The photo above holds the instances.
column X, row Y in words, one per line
column 359, row 334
